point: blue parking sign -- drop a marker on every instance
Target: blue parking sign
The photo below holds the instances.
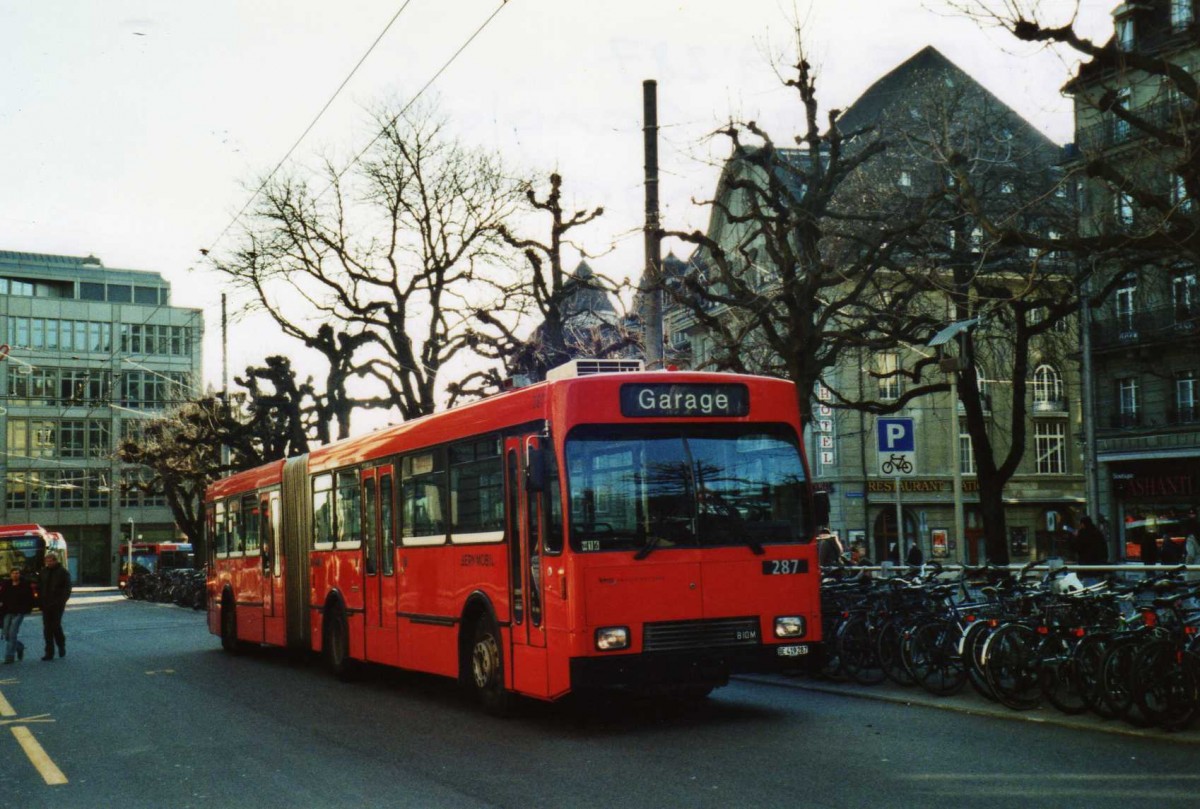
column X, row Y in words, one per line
column 895, row 435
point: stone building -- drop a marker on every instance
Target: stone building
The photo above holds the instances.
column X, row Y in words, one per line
column 91, row 352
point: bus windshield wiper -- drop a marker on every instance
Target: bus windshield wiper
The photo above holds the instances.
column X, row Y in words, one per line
column 651, row 543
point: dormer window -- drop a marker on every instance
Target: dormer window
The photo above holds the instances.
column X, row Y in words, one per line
column 1125, row 35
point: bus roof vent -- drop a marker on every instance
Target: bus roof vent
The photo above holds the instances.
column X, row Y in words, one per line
column 575, row 368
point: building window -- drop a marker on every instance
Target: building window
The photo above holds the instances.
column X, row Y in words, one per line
column 1179, row 195
column 1120, row 125
column 966, row 451
column 887, row 369
column 1047, row 388
column 1050, row 447
column 1125, row 305
column 1187, row 394
column 1123, row 209
column 1181, row 14
column 1183, row 296
column 91, row 292
column 1128, row 406
column 905, row 180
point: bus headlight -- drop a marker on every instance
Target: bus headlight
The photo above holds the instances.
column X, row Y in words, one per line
column 609, row 638
column 789, row 626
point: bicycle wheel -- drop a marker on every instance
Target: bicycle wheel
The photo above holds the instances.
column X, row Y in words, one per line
column 857, row 650
column 1089, row 660
column 1166, row 684
column 1060, row 683
column 937, row 665
column 1013, row 666
column 887, row 649
column 1116, row 681
column 973, row 644
column 831, row 660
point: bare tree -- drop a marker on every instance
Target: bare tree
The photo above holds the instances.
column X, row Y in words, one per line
column 791, row 267
column 573, row 306
column 194, row 444
column 382, row 270
column 927, row 202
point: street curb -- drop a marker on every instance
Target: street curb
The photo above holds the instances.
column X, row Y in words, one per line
column 916, row 698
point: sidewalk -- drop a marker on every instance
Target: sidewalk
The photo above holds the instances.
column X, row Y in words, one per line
column 969, row 702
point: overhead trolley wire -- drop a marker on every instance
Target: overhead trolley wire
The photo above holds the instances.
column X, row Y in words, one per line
column 314, row 121
column 359, row 156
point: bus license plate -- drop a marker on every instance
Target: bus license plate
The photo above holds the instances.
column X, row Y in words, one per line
column 792, row 651
column 784, row 567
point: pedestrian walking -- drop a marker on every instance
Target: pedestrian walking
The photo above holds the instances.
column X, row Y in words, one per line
column 16, row 601
column 54, row 588
column 1192, row 557
column 1172, row 552
column 829, row 551
column 915, row 556
column 1091, row 548
column 1148, row 545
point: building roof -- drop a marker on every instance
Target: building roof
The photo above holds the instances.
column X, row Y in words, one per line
column 911, row 79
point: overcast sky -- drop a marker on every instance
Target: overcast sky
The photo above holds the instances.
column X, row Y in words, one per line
column 132, row 129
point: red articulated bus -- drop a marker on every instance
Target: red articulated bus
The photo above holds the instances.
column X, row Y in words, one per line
column 645, row 530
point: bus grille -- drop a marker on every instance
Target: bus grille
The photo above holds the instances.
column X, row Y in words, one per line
column 672, row 636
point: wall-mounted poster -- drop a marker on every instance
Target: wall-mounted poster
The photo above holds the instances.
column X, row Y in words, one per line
column 938, row 540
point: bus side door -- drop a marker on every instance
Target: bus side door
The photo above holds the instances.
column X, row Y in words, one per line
column 527, row 593
column 274, row 628
column 379, row 556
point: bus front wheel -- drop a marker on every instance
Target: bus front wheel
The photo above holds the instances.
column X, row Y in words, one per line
column 487, row 668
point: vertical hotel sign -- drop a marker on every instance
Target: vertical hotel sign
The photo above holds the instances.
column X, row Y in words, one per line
column 823, row 429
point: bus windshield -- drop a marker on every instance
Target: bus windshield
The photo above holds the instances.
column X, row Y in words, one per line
column 22, row 553
column 645, row 488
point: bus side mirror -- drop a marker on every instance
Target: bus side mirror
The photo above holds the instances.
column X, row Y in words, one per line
column 821, row 507
column 535, row 469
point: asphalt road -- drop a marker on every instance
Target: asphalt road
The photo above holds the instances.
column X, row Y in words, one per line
column 147, row 711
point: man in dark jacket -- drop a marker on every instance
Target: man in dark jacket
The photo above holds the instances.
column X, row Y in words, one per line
column 1090, row 546
column 54, row 588
column 16, row 601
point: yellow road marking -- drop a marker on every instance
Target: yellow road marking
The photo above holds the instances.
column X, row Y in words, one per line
column 5, row 708
column 50, row 773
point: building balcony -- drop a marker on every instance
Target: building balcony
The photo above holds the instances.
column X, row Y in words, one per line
column 1125, row 421
column 1053, row 406
column 1161, row 324
column 1184, row 416
column 1112, row 131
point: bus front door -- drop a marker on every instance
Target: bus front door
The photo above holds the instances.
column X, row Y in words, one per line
column 527, row 593
column 379, row 556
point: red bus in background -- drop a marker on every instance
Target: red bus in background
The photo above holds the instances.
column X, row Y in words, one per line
column 151, row 557
column 645, row 530
column 26, row 546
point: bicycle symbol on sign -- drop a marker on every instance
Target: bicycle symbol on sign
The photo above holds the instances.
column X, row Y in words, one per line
column 896, row 464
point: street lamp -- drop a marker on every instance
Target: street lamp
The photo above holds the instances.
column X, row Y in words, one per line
column 950, row 366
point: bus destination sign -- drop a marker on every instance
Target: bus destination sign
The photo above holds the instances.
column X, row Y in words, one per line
column 651, row 399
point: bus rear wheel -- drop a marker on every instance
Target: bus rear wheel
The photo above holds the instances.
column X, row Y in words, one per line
column 487, row 669
column 229, row 638
column 336, row 644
